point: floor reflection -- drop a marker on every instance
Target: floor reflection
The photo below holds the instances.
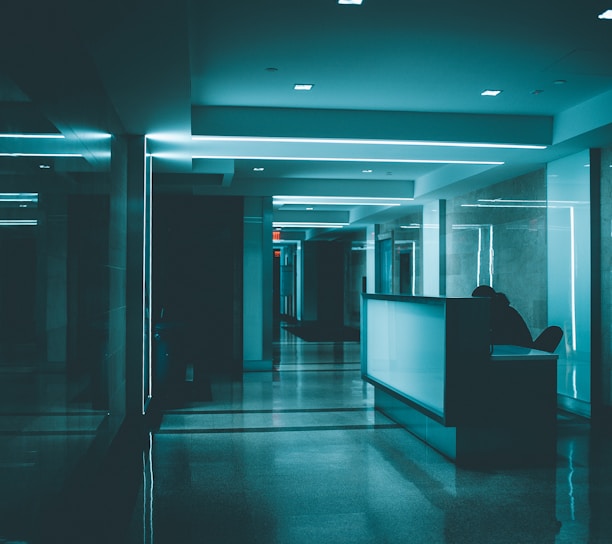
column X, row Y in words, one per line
column 299, row 455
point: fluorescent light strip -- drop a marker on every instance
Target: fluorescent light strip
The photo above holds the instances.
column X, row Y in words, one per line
column 41, row 155
column 339, row 159
column 352, row 141
column 34, row 136
column 503, row 206
column 18, row 197
column 303, row 224
column 340, row 201
column 17, row 222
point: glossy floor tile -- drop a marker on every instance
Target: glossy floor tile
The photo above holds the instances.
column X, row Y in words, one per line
column 296, row 455
column 300, row 456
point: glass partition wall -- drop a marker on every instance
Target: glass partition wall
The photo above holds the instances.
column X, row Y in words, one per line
column 54, row 320
column 569, row 275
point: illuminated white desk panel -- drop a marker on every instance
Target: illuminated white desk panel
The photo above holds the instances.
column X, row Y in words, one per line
column 436, row 373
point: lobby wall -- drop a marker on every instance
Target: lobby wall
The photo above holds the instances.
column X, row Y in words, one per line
column 497, row 236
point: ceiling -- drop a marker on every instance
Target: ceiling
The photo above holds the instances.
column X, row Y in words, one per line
column 394, row 111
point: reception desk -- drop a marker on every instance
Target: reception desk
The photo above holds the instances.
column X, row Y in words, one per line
column 435, row 372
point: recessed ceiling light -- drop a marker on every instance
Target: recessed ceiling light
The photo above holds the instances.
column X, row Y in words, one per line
column 303, row 86
column 44, row 166
column 258, row 169
column 367, row 171
column 606, row 14
column 351, row 2
column 490, row 92
column 309, row 209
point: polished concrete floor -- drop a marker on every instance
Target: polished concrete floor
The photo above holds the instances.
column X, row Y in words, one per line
column 297, row 455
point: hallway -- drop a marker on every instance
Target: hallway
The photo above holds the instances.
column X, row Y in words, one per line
column 294, row 456
column 300, row 456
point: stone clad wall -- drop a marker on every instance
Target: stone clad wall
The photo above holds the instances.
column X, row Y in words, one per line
column 515, row 229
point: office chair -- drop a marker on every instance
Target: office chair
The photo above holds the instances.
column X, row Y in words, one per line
column 549, row 339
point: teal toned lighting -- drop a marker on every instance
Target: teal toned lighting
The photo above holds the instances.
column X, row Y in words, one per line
column 18, row 197
column 308, row 225
column 490, row 92
column 258, row 169
column 17, row 222
column 351, row 2
column 338, row 159
column 303, row 87
column 33, row 136
column 282, row 200
column 351, row 141
column 41, row 155
column 606, row 14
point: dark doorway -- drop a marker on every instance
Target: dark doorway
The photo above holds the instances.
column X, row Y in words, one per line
column 197, row 284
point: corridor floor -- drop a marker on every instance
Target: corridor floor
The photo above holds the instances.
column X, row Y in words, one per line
column 299, row 455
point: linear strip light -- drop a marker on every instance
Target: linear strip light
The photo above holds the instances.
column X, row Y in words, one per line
column 353, row 141
column 502, row 206
column 41, row 155
column 34, row 136
column 17, row 222
column 310, row 225
column 18, row 197
column 338, row 159
column 340, row 200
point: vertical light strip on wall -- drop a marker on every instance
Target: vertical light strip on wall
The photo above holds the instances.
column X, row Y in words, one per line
column 150, row 268
column 479, row 260
column 491, row 256
column 573, row 275
column 414, row 267
column 147, row 362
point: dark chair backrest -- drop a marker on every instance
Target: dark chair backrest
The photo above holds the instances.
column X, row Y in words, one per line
column 549, row 339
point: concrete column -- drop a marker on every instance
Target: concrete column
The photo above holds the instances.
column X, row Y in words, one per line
column 257, row 284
